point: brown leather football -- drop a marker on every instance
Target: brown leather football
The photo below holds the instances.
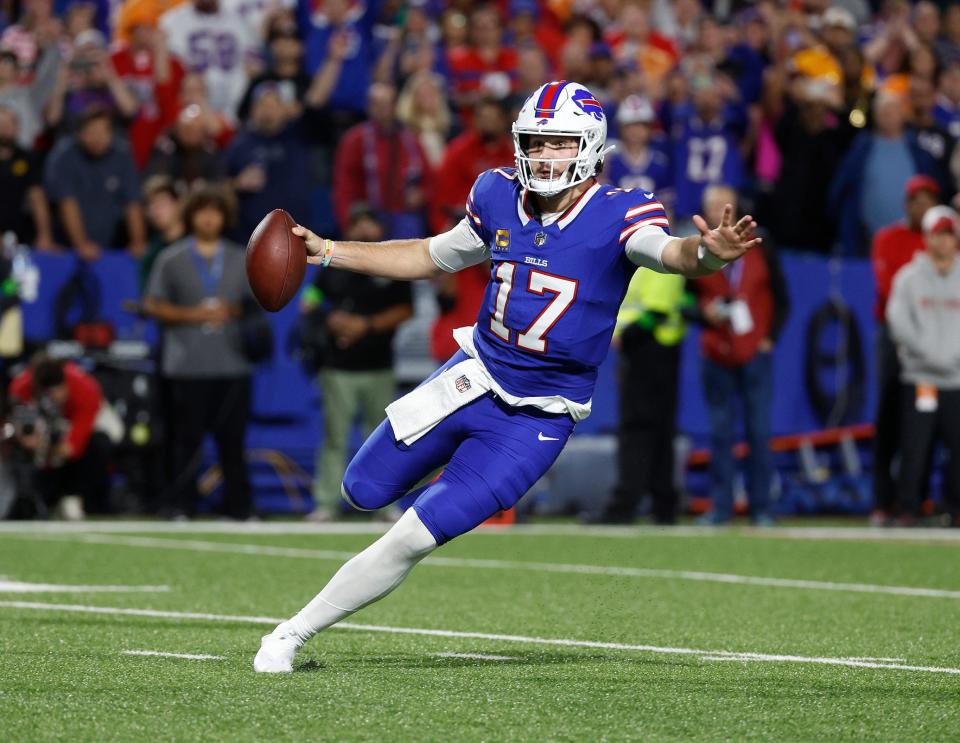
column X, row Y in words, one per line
column 276, row 261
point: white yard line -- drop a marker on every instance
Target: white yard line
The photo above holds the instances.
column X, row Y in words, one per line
column 521, row 639
column 16, row 586
column 188, row 656
column 831, row 533
column 474, row 656
column 542, row 567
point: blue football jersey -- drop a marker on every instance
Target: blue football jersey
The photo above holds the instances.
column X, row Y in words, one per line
column 652, row 173
column 549, row 310
column 703, row 155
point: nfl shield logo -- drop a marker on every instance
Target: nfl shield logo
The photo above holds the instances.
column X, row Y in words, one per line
column 539, row 239
column 463, row 384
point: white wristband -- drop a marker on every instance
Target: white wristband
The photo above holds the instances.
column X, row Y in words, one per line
column 708, row 260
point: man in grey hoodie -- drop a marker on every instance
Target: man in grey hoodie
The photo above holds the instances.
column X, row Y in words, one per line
column 923, row 316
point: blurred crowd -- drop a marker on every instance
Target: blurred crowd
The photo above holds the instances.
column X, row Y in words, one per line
column 373, row 119
column 815, row 113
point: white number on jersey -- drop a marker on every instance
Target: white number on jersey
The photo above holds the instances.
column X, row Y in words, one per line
column 705, row 161
column 534, row 337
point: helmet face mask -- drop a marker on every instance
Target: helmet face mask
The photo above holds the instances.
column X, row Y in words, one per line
column 560, row 109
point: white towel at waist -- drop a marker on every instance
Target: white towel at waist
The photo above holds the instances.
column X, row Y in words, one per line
column 418, row 412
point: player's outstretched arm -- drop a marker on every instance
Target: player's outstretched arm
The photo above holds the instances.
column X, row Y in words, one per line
column 395, row 259
column 700, row 255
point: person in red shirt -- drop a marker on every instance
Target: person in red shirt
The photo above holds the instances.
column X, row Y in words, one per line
column 73, row 457
column 745, row 305
column 145, row 64
column 893, row 247
column 486, row 145
column 485, row 66
column 381, row 163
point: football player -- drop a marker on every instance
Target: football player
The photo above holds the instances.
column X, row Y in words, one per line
column 562, row 248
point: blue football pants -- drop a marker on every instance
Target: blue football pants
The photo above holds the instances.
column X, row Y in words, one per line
column 491, row 453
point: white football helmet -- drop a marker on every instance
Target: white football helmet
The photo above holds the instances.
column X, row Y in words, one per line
column 567, row 108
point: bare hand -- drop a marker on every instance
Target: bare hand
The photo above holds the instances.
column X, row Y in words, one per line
column 89, row 251
column 251, row 178
column 314, row 244
column 339, row 46
column 713, row 314
column 347, row 327
column 214, row 312
column 728, row 241
column 765, row 346
column 45, row 244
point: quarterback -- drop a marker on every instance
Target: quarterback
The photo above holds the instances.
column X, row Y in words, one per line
column 562, row 249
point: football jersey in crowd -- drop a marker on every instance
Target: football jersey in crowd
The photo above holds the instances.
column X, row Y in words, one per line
column 362, row 52
column 703, row 154
column 651, row 172
column 217, row 45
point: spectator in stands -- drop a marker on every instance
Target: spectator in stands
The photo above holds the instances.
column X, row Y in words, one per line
column 810, row 143
column 931, row 137
column 362, row 314
column 164, row 220
column 744, row 307
column 90, row 81
column 948, row 45
column 926, row 23
column 284, row 68
column 533, row 70
column 634, row 40
column 649, row 332
column 485, row 68
column 215, row 42
column 706, row 142
column 72, row 457
column 947, row 107
column 132, row 11
column 187, row 155
column 28, row 99
column 923, row 315
column 267, row 162
column 197, row 291
column 639, row 161
column 27, row 36
column 414, row 48
column 422, row 108
column 218, row 126
column 485, row 145
column 146, row 67
column 92, row 179
column 382, row 164
column 23, row 208
column 893, row 247
column 340, row 38
column 867, row 189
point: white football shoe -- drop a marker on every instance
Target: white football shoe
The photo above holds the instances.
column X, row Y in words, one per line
column 277, row 650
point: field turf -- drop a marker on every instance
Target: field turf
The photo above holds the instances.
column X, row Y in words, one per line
column 510, row 635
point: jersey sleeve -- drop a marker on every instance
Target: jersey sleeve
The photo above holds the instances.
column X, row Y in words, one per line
column 645, row 230
column 478, row 209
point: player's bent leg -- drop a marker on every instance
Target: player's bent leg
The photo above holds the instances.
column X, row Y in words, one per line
column 492, row 470
column 385, row 469
column 369, row 576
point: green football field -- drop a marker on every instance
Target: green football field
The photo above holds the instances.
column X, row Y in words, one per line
column 526, row 634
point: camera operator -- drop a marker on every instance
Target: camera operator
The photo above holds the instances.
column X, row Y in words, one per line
column 55, row 409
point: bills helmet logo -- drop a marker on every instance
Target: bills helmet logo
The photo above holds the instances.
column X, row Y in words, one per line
column 588, row 104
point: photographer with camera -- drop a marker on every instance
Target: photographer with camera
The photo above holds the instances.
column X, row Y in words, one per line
column 55, row 410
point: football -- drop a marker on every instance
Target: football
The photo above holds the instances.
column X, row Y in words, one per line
column 276, row 261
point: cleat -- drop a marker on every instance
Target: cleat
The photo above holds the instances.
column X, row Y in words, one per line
column 277, row 651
